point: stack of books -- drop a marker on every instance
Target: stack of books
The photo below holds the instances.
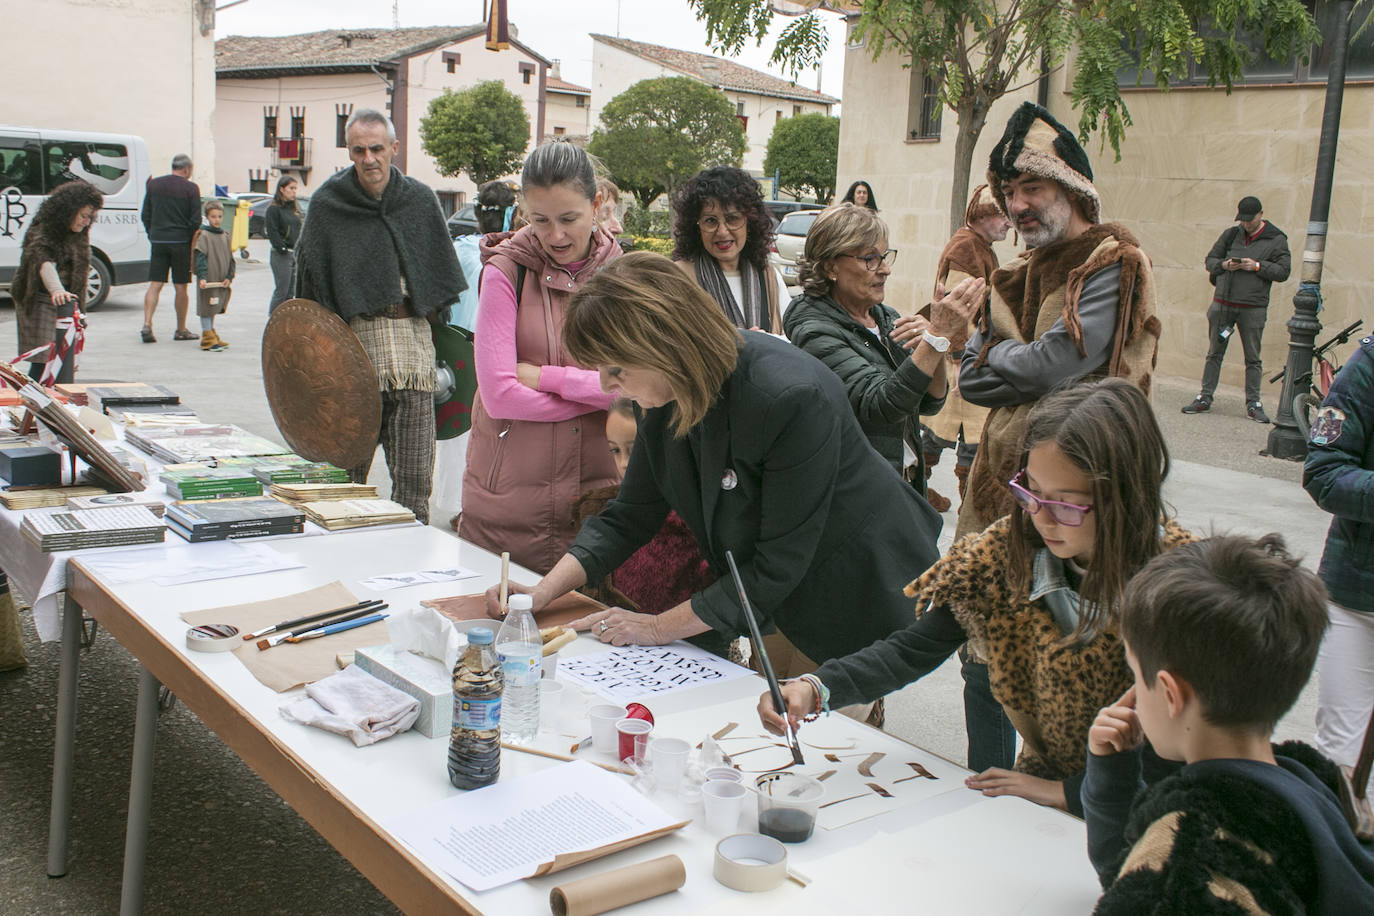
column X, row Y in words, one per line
column 287, row 469
column 79, row 529
column 198, row 481
column 313, row 492
column 46, row 497
column 130, row 394
column 149, row 501
column 234, row 518
column 335, row 515
column 184, row 444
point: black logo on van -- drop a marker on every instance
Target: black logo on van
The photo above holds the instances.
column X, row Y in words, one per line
column 15, row 211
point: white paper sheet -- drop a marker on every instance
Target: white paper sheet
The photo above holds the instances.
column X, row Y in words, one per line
column 419, row 577
column 634, row 672
column 502, row 833
column 176, row 563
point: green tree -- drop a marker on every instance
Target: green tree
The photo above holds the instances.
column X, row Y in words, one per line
column 483, row 131
column 802, row 152
column 977, row 51
column 660, row 132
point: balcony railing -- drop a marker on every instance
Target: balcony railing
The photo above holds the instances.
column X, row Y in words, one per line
column 292, row 154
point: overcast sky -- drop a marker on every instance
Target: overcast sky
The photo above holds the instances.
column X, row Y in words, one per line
column 554, row 28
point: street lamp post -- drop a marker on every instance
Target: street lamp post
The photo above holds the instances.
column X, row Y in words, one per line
column 1285, row 439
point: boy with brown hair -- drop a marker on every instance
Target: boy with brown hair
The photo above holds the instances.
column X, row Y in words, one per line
column 214, row 269
column 1221, row 636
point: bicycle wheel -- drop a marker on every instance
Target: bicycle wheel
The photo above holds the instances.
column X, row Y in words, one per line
column 1305, row 407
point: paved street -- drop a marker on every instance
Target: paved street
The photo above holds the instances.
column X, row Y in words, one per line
column 221, row 841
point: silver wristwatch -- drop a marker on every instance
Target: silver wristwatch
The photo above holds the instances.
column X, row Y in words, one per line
column 939, row 344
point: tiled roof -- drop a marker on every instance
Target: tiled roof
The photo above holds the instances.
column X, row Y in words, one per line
column 333, row 48
column 717, row 71
column 554, row 85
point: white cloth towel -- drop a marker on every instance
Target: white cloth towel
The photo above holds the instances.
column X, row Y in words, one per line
column 356, row 704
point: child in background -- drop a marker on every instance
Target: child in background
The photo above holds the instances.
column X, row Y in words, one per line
column 214, row 269
column 1221, row 636
column 664, row 572
column 1037, row 591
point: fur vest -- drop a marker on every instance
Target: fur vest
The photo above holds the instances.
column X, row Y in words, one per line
column 1051, row 693
column 33, row 309
column 1026, row 298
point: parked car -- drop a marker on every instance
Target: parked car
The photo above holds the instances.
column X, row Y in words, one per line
column 463, row 221
column 34, row 161
column 777, row 209
column 257, row 216
column 788, row 242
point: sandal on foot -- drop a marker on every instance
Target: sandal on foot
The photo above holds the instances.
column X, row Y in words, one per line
column 184, row 335
column 147, row 335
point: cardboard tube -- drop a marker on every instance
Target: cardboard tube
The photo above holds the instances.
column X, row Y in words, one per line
column 621, row 887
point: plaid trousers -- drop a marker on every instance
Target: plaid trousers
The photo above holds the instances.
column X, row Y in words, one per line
column 407, row 437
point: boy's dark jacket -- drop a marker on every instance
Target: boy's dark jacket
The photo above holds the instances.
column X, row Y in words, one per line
column 1339, row 475
column 1231, row 836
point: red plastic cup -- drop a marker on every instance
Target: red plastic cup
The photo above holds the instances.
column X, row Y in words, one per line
column 639, row 711
column 634, row 737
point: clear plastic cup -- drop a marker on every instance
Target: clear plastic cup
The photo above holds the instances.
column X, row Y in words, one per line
column 669, row 759
column 788, row 803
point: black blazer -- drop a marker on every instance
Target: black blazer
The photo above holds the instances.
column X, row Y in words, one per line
column 825, row 531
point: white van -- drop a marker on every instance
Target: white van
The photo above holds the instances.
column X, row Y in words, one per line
column 34, row 160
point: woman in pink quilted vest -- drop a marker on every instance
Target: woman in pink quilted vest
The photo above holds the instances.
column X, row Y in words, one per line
column 538, row 422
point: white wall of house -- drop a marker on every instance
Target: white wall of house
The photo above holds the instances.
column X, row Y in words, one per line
column 146, row 70
column 239, row 122
column 563, row 111
column 429, row 77
column 614, row 71
column 240, row 103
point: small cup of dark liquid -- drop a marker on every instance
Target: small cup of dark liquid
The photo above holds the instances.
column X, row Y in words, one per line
column 787, row 805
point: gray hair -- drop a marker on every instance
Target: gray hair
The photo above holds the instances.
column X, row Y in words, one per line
column 559, row 162
column 181, row 163
column 371, row 116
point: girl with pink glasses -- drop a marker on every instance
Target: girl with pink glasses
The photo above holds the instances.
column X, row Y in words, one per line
column 1036, row 591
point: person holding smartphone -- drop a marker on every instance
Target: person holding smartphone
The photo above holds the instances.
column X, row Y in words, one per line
column 1244, row 263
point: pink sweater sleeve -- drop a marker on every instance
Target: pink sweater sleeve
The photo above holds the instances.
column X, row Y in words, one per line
column 502, row 394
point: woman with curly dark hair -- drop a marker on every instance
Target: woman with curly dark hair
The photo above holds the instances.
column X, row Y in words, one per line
column 723, row 233
column 49, row 287
column 860, row 194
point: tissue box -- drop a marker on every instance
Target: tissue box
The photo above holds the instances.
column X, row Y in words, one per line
column 423, row 678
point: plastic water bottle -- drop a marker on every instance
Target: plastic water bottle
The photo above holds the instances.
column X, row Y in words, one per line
column 520, row 651
column 474, row 746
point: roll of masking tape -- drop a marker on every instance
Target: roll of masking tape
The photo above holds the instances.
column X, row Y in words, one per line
column 213, row 637
column 750, row 862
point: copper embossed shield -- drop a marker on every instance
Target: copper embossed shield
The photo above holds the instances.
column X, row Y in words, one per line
column 320, row 384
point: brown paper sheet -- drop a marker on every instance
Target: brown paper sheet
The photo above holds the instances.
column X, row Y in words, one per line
column 560, row 612
column 291, row 665
column 621, row 887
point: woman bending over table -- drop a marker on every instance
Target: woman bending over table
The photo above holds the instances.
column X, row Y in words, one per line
column 754, row 445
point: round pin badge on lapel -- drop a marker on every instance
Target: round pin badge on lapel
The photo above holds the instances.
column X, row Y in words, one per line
column 728, row 480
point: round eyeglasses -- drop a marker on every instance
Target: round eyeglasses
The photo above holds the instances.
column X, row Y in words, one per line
column 732, row 222
column 1069, row 514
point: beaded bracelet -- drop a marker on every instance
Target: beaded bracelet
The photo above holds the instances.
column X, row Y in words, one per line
column 822, row 697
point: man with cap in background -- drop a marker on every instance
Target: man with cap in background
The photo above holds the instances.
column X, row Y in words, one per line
column 1080, row 303
column 1244, row 263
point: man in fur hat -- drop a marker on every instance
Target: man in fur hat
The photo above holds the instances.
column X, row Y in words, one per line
column 968, row 253
column 376, row 252
column 1080, row 303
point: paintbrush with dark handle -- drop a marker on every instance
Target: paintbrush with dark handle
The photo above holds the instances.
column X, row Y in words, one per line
column 291, row 635
column 310, row 618
column 756, row 641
